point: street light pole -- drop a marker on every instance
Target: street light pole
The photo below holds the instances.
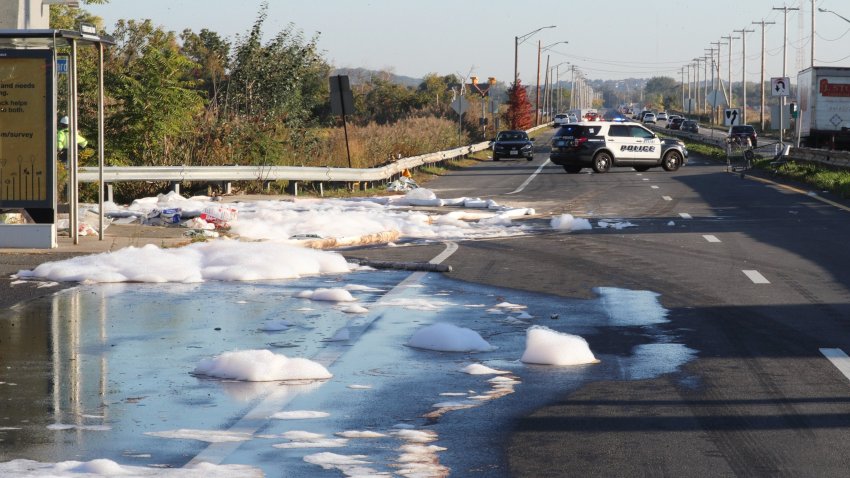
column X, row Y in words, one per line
column 540, row 49
column 518, row 40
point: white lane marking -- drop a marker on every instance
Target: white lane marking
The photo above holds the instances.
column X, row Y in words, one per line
column 839, row 359
column 258, row 417
column 654, row 187
column 710, row 238
column 530, row 178
column 646, row 179
column 756, row 277
column 685, row 215
column 666, row 198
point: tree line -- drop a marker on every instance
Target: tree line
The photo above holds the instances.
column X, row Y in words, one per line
column 198, row 98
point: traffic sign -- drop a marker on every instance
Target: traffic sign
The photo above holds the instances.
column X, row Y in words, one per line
column 62, row 65
column 717, row 98
column 459, row 105
column 780, row 86
column 732, row 117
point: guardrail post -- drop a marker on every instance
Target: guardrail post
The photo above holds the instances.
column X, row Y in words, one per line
column 175, row 186
column 321, row 189
column 267, row 186
column 227, row 187
column 110, row 192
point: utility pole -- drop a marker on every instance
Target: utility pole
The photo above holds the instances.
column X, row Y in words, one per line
column 696, row 84
column 729, row 66
column 688, row 109
column 683, row 87
column 713, row 89
column 761, row 112
column 785, row 11
column 743, row 33
column 705, row 82
column 537, row 101
column 813, row 34
column 719, row 80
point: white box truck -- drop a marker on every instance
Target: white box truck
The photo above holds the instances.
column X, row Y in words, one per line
column 823, row 99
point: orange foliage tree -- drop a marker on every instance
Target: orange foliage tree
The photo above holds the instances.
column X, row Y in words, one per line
column 519, row 114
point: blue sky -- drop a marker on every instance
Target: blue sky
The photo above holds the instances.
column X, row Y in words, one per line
column 607, row 40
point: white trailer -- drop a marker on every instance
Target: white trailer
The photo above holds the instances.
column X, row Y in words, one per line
column 823, row 99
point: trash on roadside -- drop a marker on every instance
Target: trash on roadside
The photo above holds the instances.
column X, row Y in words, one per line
column 402, row 184
column 305, row 236
column 198, row 223
column 220, row 216
column 170, row 215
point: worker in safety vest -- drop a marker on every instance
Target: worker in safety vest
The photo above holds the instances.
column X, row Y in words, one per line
column 62, row 139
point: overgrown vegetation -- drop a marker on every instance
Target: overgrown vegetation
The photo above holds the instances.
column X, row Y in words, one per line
column 198, row 99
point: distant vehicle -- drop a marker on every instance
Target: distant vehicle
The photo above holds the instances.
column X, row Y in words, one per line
column 513, row 144
column 740, row 133
column 649, row 118
column 561, row 120
column 573, row 118
column 690, row 126
column 675, row 123
column 606, row 144
column 662, row 116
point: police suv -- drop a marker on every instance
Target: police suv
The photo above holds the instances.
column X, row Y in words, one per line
column 603, row 145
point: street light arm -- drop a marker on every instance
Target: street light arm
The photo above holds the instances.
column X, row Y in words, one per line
column 552, row 44
column 824, row 10
column 525, row 37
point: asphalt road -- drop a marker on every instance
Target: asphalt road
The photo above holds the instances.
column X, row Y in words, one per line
column 755, row 276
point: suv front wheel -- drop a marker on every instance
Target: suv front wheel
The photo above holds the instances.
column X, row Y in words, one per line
column 602, row 162
column 672, row 160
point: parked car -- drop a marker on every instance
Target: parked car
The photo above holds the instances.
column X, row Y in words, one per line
column 513, row 144
column 662, row 116
column 561, row 120
column 690, row 126
column 675, row 123
column 604, row 145
column 741, row 133
column 649, row 118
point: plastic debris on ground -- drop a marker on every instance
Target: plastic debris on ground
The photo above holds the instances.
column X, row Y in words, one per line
column 402, row 184
column 220, row 216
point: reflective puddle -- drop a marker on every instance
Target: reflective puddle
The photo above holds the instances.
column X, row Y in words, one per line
column 105, row 371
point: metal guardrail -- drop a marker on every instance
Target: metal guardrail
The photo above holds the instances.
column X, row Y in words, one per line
column 112, row 174
column 176, row 174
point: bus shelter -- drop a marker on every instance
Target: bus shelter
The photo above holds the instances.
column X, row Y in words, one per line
column 31, row 68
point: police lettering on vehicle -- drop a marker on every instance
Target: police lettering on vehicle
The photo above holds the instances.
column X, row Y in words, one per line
column 638, row 149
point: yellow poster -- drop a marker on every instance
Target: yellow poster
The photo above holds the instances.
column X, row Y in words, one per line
column 26, row 162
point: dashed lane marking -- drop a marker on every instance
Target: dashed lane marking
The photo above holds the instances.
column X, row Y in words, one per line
column 654, row 187
column 756, row 277
column 666, row 198
column 710, row 238
column 839, row 359
column 685, row 215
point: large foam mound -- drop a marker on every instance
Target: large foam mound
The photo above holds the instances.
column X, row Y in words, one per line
column 549, row 347
column 448, row 338
column 261, row 366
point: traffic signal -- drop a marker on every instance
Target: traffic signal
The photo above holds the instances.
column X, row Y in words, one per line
column 793, row 108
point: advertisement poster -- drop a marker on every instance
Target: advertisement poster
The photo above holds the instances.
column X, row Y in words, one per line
column 26, row 129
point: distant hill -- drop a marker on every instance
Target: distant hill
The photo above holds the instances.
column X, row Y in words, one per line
column 362, row 75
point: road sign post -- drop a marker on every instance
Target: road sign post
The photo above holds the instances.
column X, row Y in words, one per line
column 342, row 103
column 781, row 87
